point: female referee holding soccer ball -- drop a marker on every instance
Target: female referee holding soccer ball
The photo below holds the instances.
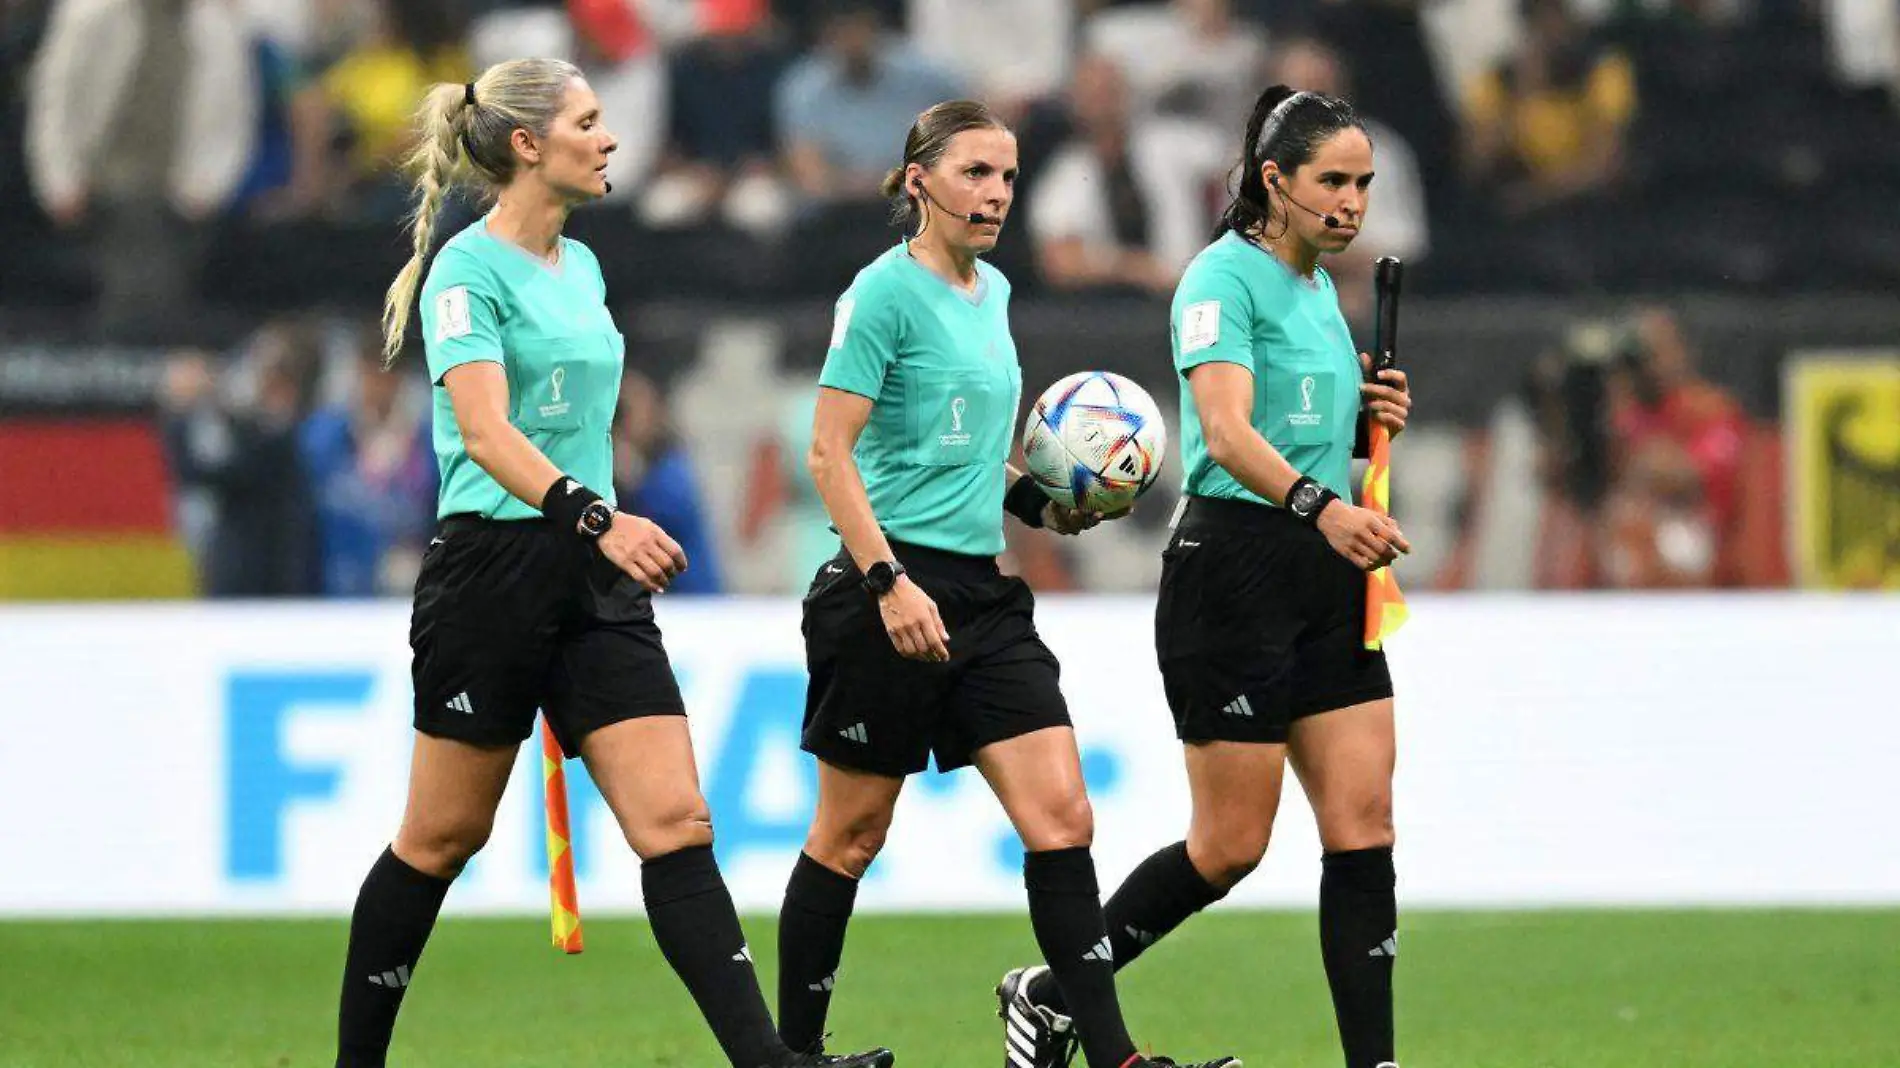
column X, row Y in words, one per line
column 1259, row 627
column 536, row 592
column 916, row 643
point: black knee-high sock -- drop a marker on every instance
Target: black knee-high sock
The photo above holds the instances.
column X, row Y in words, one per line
column 395, row 911
column 1161, row 893
column 811, row 929
column 693, row 920
column 1065, row 907
column 1358, row 937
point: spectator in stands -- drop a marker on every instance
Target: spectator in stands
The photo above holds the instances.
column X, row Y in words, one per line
column 1547, row 125
column 1396, row 224
column 235, row 448
column 366, row 99
column 372, row 471
column 1192, row 58
column 1674, row 504
column 653, row 477
column 139, row 129
column 962, row 36
column 721, row 147
column 1126, row 203
column 839, row 110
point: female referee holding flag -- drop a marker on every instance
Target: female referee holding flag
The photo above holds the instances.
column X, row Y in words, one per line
column 916, row 643
column 1261, row 616
column 536, row 593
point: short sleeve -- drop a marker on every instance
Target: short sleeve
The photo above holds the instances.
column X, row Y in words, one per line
column 864, row 340
column 1213, row 319
column 461, row 317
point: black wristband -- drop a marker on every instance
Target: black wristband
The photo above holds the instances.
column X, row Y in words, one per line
column 1307, row 499
column 564, row 502
column 1025, row 500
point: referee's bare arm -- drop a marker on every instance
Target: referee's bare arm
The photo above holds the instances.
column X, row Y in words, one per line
column 915, row 626
column 479, row 393
column 1223, row 394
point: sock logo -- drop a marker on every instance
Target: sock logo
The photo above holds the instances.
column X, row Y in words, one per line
column 1101, row 951
column 1141, row 937
column 1387, row 948
column 825, row 985
column 744, row 956
column 395, row 980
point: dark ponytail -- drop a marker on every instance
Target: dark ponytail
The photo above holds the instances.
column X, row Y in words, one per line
column 1287, row 127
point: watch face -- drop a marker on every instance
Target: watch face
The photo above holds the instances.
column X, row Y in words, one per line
column 1305, row 499
column 596, row 518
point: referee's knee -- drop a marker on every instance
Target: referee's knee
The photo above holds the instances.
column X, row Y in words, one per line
column 849, row 848
column 1068, row 824
column 441, row 851
column 671, row 828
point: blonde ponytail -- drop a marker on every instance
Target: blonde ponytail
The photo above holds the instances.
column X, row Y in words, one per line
column 436, row 160
column 466, row 133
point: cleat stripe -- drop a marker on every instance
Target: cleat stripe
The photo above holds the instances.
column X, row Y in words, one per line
column 1020, row 1038
column 1018, row 1059
column 1016, row 1017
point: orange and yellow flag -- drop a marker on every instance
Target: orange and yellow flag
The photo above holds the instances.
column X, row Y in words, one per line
column 1385, row 605
column 564, row 903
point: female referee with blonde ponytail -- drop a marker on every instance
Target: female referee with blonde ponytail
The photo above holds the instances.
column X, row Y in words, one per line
column 536, row 594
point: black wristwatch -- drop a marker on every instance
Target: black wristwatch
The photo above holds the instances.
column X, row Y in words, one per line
column 595, row 519
column 1307, row 499
column 880, row 578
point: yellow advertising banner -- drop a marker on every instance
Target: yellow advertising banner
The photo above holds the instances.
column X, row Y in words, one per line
column 1841, row 418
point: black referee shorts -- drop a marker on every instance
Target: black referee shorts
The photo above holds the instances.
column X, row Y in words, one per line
column 1259, row 623
column 869, row 709
column 514, row 616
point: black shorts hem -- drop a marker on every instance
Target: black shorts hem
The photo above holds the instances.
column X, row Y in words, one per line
column 1015, row 729
column 1221, row 731
column 1338, row 699
column 868, row 763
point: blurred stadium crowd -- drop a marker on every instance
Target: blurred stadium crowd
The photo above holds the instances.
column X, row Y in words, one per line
column 1621, row 216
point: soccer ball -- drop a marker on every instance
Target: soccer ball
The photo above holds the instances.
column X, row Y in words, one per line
column 1095, row 441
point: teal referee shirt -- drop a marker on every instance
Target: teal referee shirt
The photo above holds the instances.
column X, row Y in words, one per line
column 940, row 368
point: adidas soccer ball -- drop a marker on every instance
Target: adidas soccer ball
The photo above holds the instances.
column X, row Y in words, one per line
column 1095, row 441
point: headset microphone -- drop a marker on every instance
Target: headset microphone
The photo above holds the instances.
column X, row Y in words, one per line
column 1332, row 221
column 974, row 217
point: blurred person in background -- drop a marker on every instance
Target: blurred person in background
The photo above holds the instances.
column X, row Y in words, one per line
column 653, row 474
column 962, row 36
column 141, row 124
column 536, row 593
column 352, row 125
column 233, row 450
column 373, row 472
column 1400, row 226
column 780, row 493
column 1547, row 125
column 838, row 110
column 721, row 149
column 1122, row 206
column 1674, row 509
column 1193, row 59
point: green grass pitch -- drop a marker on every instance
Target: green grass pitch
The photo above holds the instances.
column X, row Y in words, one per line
column 1590, row 989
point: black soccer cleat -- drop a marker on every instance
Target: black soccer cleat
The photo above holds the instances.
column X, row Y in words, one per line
column 1169, row 1062
column 1034, row 1036
column 876, row 1058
